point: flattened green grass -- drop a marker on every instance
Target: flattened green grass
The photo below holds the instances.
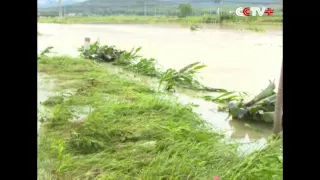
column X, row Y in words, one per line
column 133, row 132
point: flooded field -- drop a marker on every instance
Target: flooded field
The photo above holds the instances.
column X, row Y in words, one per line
column 237, row 60
column 242, row 61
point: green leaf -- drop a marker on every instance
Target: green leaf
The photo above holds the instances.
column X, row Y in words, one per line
column 187, row 67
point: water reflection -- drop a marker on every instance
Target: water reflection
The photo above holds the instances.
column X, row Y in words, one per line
column 242, row 129
column 236, row 129
column 46, row 87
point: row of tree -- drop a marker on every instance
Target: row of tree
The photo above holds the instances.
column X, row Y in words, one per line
column 183, row 10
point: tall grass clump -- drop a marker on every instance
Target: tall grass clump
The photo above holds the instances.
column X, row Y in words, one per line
column 135, row 132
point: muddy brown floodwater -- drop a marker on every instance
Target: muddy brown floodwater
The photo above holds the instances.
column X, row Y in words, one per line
column 236, row 60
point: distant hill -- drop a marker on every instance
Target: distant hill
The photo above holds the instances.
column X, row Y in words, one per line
column 54, row 3
column 136, row 7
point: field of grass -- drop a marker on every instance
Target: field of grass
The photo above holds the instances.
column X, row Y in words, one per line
column 264, row 20
column 134, row 132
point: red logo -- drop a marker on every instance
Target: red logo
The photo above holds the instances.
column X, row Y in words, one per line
column 254, row 11
column 269, row 11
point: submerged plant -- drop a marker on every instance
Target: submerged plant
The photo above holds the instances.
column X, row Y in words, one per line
column 185, row 77
column 45, row 52
column 109, row 54
column 223, row 99
column 131, row 60
column 92, row 52
column 256, row 29
column 146, row 67
column 260, row 108
column 127, row 58
column 195, row 27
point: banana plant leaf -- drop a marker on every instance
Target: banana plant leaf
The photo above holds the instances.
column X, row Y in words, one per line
column 268, row 117
column 260, row 108
column 264, row 94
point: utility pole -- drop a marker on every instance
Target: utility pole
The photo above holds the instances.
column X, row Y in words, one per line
column 218, row 2
column 60, row 9
column 277, row 124
column 145, row 8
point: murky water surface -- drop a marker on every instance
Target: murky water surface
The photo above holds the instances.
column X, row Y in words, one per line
column 237, row 60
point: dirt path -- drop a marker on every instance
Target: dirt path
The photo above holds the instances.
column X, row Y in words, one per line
column 243, row 61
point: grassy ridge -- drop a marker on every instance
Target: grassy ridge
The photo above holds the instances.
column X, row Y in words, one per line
column 264, row 20
column 133, row 132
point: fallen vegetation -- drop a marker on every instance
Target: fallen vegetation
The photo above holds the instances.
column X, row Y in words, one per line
column 44, row 52
column 133, row 132
column 195, row 27
column 186, row 77
column 260, row 108
column 256, row 29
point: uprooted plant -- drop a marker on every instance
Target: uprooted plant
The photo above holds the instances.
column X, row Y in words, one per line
column 128, row 58
column 223, row 99
column 146, row 67
column 45, row 52
column 100, row 53
column 186, row 78
column 91, row 52
column 195, row 27
column 134, row 62
column 260, row 108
